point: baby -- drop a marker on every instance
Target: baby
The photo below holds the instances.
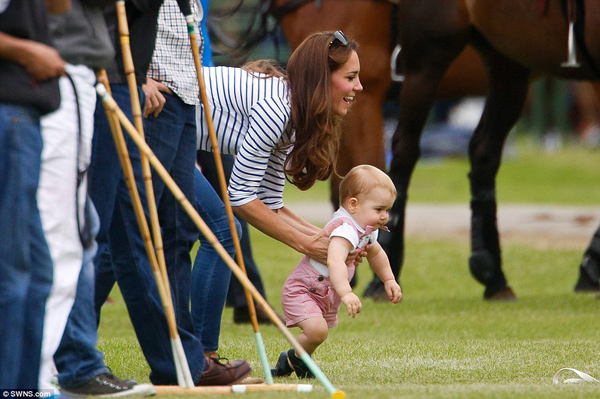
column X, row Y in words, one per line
column 313, row 293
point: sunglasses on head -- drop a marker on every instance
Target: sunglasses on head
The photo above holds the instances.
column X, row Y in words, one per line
column 339, row 37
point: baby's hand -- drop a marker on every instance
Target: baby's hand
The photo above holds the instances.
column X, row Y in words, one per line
column 352, row 303
column 393, row 290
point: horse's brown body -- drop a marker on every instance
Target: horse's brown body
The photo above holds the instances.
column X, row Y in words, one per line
column 369, row 22
column 514, row 40
column 537, row 41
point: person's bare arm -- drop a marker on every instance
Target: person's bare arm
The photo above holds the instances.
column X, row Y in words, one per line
column 41, row 61
column 269, row 222
column 339, row 248
column 380, row 263
column 296, row 221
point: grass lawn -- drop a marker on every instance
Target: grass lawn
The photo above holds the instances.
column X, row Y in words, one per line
column 442, row 340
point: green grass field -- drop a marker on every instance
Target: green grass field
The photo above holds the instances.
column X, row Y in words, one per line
column 443, row 340
column 527, row 175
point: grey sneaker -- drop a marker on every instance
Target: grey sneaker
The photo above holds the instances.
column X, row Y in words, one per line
column 108, row 386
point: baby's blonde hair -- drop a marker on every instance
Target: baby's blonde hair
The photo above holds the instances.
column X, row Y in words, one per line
column 362, row 179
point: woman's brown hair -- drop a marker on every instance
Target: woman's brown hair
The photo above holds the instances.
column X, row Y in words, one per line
column 317, row 128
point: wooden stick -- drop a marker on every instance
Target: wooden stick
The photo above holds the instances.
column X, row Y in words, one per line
column 223, row 185
column 224, row 390
column 220, row 172
column 212, row 239
column 139, row 125
column 162, row 285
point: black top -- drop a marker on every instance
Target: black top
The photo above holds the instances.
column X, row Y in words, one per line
column 142, row 16
column 26, row 19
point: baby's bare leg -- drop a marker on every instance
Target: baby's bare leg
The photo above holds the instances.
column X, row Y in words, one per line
column 314, row 333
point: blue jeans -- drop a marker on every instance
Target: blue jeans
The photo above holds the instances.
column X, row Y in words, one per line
column 128, row 264
column 172, row 137
column 77, row 359
column 25, row 263
column 210, row 275
column 236, row 296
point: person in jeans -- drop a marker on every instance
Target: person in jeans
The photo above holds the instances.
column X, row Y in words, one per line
column 278, row 124
column 236, row 296
column 29, row 67
column 121, row 253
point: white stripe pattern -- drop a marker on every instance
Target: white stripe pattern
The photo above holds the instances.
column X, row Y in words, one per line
column 251, row 118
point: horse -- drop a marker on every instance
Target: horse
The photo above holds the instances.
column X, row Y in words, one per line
column 370, row 23
column 444, row 55
column 515, row 39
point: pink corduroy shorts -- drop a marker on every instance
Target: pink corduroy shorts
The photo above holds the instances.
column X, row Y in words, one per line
column 306, row 294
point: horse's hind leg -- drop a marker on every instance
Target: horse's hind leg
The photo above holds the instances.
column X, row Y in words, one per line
column 508, row 89
column 425, row 59
column 589, row 270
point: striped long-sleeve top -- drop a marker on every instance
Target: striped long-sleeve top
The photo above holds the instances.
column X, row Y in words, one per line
column 251, row 117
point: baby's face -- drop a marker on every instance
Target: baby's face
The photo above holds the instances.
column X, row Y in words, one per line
column 373, row 208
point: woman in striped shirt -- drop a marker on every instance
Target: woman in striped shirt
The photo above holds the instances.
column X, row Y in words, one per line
column 277, row 125
column 282, row 124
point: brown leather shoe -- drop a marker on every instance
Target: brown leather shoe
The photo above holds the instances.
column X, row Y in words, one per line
column 219, row 372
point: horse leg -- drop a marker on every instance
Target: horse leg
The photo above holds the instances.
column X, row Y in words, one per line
column 424, row 66
column 508, row 90
column 362, row 142
column 589, row 269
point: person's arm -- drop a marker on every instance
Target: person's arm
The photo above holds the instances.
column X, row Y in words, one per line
column 296, row 221
column 339, row 248
column 269, row 222
column 41, row 61
column 380, row 263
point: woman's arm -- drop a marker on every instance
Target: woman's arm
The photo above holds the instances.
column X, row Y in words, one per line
column 314, row 244
column 296, row 221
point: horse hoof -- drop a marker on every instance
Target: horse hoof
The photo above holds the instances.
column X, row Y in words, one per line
column 376, row 291
column 506, row 294
column 585, row 284
column 588, row 275
column 371, row 288
column 482, row 267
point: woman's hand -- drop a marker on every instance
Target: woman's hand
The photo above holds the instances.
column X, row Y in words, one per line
column 318, row 244
column 357, row 256
column 155, row 101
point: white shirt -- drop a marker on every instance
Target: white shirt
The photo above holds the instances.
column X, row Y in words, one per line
column 355, row 234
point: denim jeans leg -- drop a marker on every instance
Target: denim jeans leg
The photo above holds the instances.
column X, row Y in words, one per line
column 77, row 359
column 172, row 137
column 210, row 275
column 25, row 264
column 103, row 179
column 138, row 287
column 236, row 296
